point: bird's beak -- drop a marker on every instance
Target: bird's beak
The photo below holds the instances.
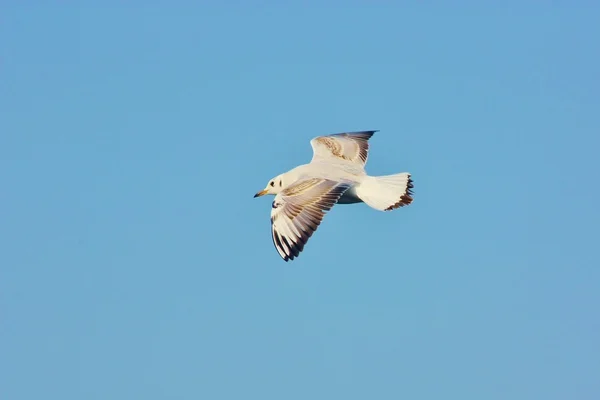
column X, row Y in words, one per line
column 261, row 193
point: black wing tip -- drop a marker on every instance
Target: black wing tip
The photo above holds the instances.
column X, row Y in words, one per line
column 365, row 134
column 283, row 244
column 368, row 132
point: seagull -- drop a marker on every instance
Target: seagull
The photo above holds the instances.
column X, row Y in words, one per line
column 335, row 175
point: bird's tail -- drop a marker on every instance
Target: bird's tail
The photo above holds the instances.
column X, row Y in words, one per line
column 387, row 192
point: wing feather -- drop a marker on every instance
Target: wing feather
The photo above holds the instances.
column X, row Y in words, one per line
column 350, row 147
column 298, row 211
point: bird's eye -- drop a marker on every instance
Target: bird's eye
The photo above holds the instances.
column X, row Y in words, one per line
column 272, row 183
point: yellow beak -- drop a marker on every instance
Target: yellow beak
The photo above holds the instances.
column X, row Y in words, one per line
column 261, row 193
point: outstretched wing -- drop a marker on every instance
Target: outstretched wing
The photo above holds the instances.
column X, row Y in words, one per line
column 351, row 146
column 298, row 210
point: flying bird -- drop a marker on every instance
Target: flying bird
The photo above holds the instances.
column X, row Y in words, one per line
column 335, row 175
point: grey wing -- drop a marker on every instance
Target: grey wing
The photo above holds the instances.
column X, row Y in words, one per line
column 298, row 211
column 350, row 147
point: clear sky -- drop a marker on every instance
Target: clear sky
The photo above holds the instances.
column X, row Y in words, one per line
column 135, row 263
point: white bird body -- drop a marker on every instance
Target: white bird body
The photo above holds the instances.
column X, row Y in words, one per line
column 335, row 175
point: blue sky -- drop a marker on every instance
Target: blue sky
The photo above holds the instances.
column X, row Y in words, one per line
column 136, row 264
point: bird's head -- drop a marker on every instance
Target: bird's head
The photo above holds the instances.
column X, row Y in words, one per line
column 274, row 186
